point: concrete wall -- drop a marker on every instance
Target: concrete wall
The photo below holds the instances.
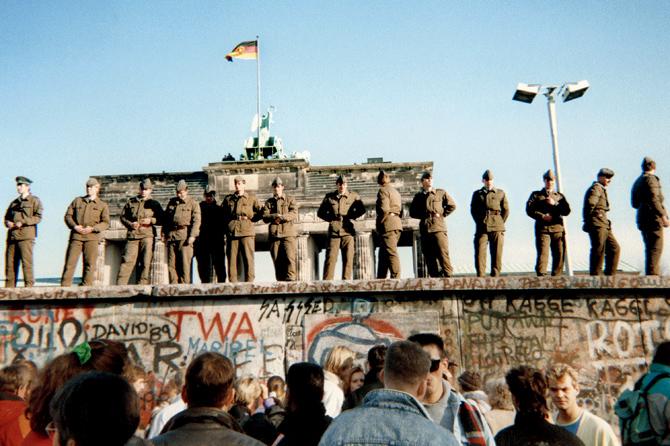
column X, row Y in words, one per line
column 605, row 327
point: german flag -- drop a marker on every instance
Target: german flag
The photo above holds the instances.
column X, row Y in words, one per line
column 245, row 50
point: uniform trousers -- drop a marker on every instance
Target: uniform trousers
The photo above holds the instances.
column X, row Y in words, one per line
column 180, row 261
column 495, row 241
column 653, row 249
column 435, row 247
column 604, row 247
column 143, row 247
column 389, row 260
column 544, row 242
column 283, row 252
column 245, row 247
column 75, row 248
column 344, row 244
column 19, row 251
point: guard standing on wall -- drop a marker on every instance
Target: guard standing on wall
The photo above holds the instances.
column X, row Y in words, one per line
column 489, row 209
column 210, row 246
column 21, row 219
column 431, row 206
column 548, row 207
column 139, row 216
column 87, row 217
column 181, row 229
column 604, row 246
column 240, row 211
column 280, row 211
column 389, row 227
column 652, row 216
column 340, row 208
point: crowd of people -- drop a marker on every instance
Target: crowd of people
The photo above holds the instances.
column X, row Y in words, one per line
column 404, row 394
column 203, row 229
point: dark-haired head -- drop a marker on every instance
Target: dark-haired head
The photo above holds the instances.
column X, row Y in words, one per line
column 95, row 409
column 424, row 339
column 528, row 386
column 662, row 354
column 376, row 356
column 209, row 381
column 304, row 381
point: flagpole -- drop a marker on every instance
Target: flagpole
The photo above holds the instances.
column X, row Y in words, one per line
column 258, row 94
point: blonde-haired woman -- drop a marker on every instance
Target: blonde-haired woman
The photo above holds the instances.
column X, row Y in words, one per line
column 337, row 367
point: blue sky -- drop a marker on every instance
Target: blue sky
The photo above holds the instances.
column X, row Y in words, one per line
column 96, row 88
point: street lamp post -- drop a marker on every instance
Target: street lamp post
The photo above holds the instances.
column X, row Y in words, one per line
column 526, row 93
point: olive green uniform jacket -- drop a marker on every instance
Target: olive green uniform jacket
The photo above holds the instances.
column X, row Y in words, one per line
column 647, row 198
column 240, row 212
column 280, row 213
column 86, row 212
column 537, row 207
column 339, row 211
column 136, row 209
column 28, row 212
column 596, row 207
column 431, row 208
column 182, row 219
column 489, row 210
column 389, row 209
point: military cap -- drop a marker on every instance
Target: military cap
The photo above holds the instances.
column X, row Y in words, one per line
column 605, row 172
column 549, row 175
column 92, row 182
column 181, row 185
column 277, row 182
column 23, row 180
column 146, row 184
column 239, row 179
column 209, row 190
column 426, row 175
column 341, row 179
column 487, row 175
column 648, row 163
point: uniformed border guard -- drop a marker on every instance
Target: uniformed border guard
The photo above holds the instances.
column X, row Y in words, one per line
column 340, row 208
column 21, row 219
column 652, row 216
column 181, row 229
column 548, row 207
column 88, row 218
column 489, row 209
column 604, row 246
column 389, row 227
column 431, row 206
column 140, row 214
column 281, row 211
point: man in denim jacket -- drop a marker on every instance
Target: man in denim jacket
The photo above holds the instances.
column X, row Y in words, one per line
column 444, row 404
column 392, row 415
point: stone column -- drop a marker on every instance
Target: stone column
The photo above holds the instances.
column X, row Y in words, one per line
column 364, row 256
column 417, row 256
column 159, row 269
column 306, row 259
column 99, row 278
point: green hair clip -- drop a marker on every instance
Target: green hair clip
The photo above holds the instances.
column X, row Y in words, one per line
column 83, row 352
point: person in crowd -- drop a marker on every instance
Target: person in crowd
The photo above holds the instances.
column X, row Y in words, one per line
column 241, row 210
column 140, row 215
column 548, row 207
column 445, row 405
column 275, row 404
column 502, row 412
column 88, row 218
column 340, row 208
column 96, row 355
column 208, row 392
column 21, row 219
column 652, row 217
column 306, row 418
column 563, row 384
column 375, row 364
column 393, row 415
column 389, row 227
column 250, row 410
column 356, row 380
column 470, row 383
column 94, row 409
column 210, row 251
column 16, row 381
column 336, row 369
column 281, row 211
column 532, row 426
column 489, row 209
column 175, row 404
column 431, row 206
column 604, row 246
column 181, row 229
